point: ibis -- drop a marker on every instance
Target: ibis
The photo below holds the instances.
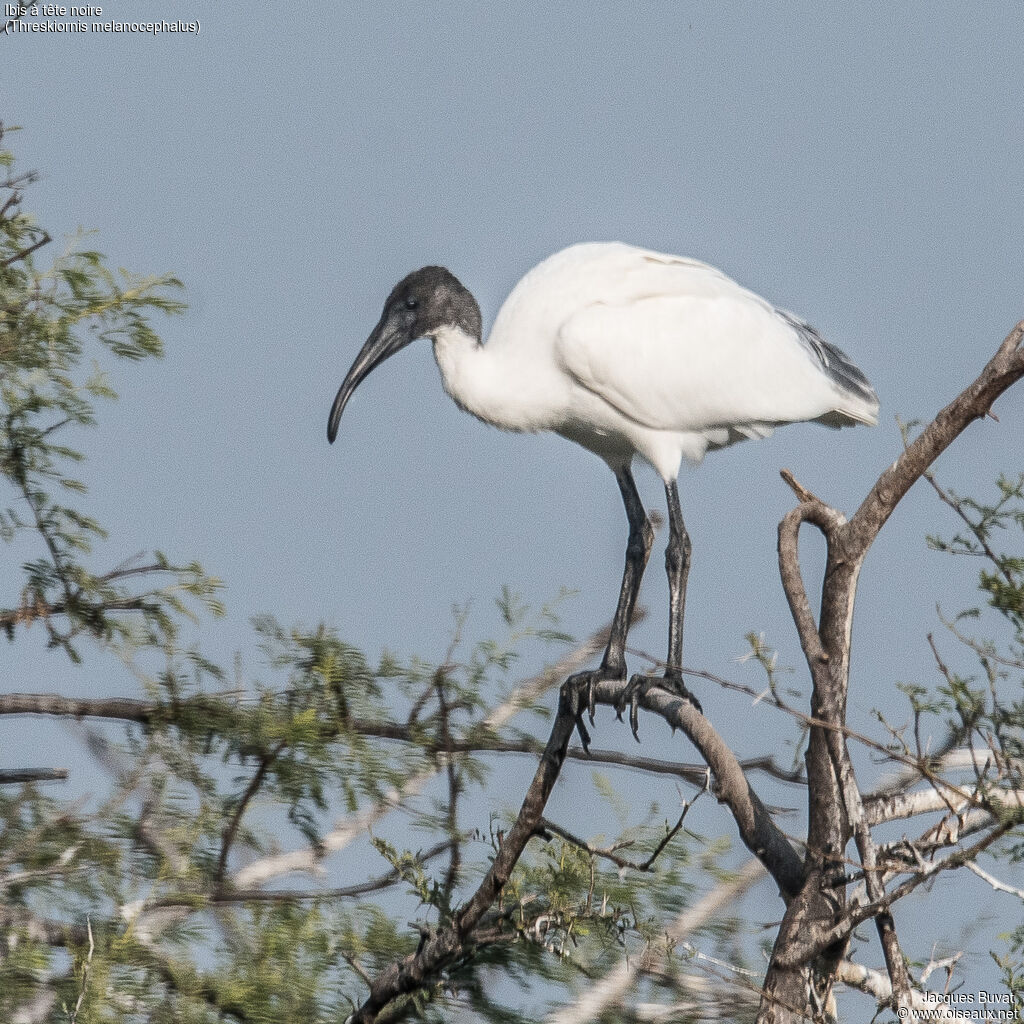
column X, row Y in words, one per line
column 627, row 352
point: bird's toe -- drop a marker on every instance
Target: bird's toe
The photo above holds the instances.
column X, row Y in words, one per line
column 673, row 682
column 637, row 689
column 580, row 691
column 638, row 686
column 572, row 697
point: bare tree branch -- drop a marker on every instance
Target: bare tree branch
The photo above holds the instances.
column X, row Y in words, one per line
column 1002, row 371
column 994, row 882
column 14, row 776
column 835, row 811
column 879, row 987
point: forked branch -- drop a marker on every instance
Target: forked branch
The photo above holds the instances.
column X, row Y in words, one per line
column 835, row 810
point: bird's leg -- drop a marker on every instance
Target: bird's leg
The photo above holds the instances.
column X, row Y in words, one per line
column 677, row 567
column 613, row 664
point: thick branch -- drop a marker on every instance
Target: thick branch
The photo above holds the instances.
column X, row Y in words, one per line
column 829, row 522
column 758, row 831
column 926, row 870
column 879, row 987
column 121, row 708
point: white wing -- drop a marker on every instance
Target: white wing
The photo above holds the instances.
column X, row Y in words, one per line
column 676, row 345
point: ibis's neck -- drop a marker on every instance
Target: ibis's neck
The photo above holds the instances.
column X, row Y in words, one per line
column 480, row 380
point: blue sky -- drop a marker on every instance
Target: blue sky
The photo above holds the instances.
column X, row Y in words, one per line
column 857, row 163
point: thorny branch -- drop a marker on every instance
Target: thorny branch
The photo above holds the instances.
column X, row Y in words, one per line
column 146, row 712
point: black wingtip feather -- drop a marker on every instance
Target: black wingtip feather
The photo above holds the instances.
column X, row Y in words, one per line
column 834, row 362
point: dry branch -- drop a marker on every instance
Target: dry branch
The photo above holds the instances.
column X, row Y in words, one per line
column 836, row 812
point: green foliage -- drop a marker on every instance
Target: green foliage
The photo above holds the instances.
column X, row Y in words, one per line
column 153, row 870
column 1002, row 577
column 986, row 702
column 1011, row 969
column 55, row 323
column 982, row 703
column 570, row 916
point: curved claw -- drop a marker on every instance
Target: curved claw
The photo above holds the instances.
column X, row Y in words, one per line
column 639, row 685
column 574, row 687
column 634, row 714
column 584, row 735
column 571, row 695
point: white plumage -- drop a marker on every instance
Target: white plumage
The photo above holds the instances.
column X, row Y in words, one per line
column 629, row 351
column 626, row 352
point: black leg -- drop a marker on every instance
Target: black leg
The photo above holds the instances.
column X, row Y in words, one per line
column 677, row 566
column 638, row 550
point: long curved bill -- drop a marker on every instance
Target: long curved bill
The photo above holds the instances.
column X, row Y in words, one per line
column 386, row 340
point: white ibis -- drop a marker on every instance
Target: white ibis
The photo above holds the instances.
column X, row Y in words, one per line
column 626, row 352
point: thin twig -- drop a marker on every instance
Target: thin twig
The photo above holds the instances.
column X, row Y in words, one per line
column 546, row 825
column 73, row 1016
column 231, row 829
column 957, row 507
column 994, row 882
column 27, row 251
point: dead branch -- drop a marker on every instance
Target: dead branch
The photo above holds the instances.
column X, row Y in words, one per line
column 835, row 810
column 730, row 785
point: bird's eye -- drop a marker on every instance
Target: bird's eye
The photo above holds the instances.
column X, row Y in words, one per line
column 411, row 302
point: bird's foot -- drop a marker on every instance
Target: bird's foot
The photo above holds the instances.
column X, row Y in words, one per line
column 672, row 681
column 579, row 691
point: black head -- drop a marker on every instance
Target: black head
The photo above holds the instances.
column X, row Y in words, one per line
column 419, row 305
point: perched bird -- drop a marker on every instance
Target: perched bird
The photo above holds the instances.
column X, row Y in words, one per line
column 626, row 352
